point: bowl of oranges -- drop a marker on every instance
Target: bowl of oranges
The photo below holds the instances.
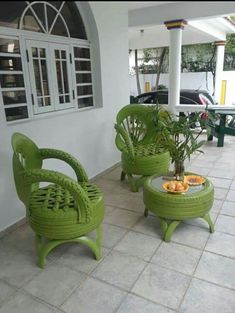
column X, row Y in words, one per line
column 175, row 186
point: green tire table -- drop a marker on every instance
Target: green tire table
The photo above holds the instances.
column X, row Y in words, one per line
column 171, row 209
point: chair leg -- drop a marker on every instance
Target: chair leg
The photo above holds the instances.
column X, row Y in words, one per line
column 132, row 183
column 123, row 176
column 44, row 249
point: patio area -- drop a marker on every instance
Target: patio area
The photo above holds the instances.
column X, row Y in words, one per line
column 139, row 272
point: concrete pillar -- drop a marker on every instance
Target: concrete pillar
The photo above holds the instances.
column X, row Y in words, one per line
column 175, row 28
column 219, row 68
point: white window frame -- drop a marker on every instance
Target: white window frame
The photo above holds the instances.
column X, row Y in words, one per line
column 23, row 36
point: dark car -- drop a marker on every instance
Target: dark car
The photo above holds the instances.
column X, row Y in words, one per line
column 187, row 96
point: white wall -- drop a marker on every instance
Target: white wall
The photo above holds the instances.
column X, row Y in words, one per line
column 88, row 135
column 188, row 81
column 229, row 76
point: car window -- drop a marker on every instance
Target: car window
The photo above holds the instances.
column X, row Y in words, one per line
column 162, row 98
column 146, row 99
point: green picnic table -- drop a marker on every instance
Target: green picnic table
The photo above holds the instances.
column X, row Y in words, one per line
column 219, row 129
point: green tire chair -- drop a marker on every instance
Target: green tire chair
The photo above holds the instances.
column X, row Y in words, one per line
column 66, row 210
column 136, row 139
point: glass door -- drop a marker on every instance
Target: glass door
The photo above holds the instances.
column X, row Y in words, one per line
column 38, row 54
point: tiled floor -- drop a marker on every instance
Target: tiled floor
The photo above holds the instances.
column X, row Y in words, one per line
column 139, row 273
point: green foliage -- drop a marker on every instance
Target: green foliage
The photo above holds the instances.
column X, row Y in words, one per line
column 175, row 135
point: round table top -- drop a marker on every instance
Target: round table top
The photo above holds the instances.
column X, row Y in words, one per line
column 156, row 183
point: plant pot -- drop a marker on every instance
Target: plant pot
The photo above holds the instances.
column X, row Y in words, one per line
column 179, row 170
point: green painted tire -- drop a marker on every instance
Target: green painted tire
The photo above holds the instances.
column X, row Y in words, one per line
column 146, row 166
column 178, row 207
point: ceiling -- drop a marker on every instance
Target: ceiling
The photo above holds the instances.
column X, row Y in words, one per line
column 133, row 5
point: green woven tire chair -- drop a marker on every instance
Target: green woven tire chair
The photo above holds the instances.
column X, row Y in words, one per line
column 65, row 210
column 136, row 139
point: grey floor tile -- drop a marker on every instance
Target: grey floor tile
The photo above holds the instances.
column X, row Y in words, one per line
column 80, row 258
column 138, row 245
column 198, row 170
column 162, row 286
column 23, row 303
column 220, row 193
column 226, row 224
column 201, row 222
column 204, row 297
column 219, row 182
column 60, row 282
column 221, row 243
column 17, row 268
column 228, row 208
column 221, row 173
column 190, row 235
column 149, row 225
column 122, row 218
column 216, row 206
column 94, row 297
column 130, row 200
column 216, row 269
column 134, row 304
column 231, row 195
column 170, row 255
column 112, row 235
column 5, row 291
column 119, row 270
column 233, row 185
column 23, row 239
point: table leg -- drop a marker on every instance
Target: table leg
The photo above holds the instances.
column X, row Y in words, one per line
column 220, row 142
column 209, row 221
column 168, row 228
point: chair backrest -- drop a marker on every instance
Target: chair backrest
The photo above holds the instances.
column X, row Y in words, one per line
column 136, row 120
column 26, row 156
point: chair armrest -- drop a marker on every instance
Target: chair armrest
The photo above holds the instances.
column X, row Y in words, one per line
column 82, row 202
column 123, row 133
column 68, row 158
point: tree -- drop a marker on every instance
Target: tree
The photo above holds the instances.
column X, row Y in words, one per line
column 137, row 72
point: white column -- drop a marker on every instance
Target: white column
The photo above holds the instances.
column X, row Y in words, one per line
column 175, row 28
column 219, row 68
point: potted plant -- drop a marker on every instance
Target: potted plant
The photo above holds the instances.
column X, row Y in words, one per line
column 175, row 135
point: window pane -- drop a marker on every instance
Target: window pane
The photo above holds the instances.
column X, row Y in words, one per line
column 83, row 78
column 73, row 20
column 42, row 52
column 30, row 23
column 59, row 28
column 82, row 65
column 61, row 99
column 10, row 64
column 44, row 77
column 67, row 98
column 81, row 53
column 84, row 90
column 47, row 101
column 9, row 45
column 13, row 114
column 64, row 67
column 11, row 81
column 37, row 77
column 13, row 97
column 85, row 102
column 59, row 78
column 10, row 13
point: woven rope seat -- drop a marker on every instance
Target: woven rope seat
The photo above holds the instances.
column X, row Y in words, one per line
column 136, row 139
column 66, row 209
column 54, row 206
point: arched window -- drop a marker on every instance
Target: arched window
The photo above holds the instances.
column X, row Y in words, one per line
column 45, row 59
